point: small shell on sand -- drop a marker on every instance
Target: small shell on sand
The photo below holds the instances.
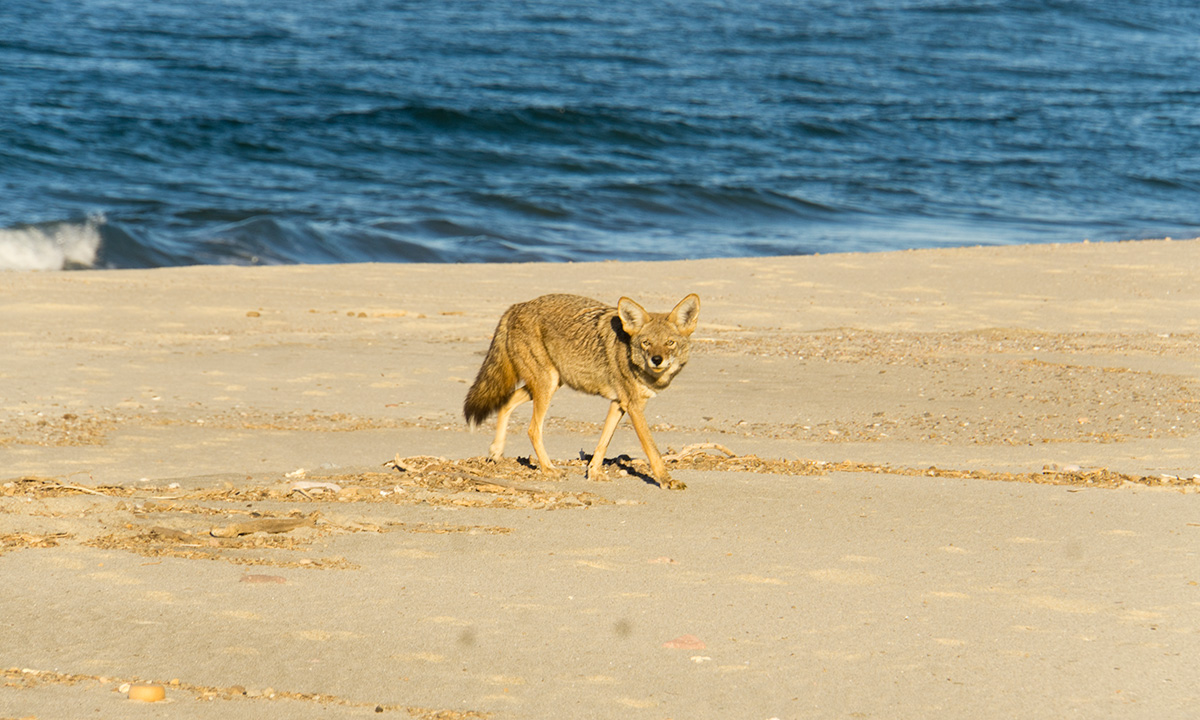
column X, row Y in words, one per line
column 147, row 693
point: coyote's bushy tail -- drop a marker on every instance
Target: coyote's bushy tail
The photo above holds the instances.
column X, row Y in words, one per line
column 495, row 382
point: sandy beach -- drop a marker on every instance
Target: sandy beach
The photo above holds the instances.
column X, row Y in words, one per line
column 936, row 483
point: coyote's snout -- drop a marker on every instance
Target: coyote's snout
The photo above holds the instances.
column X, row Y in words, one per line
column 625, row 354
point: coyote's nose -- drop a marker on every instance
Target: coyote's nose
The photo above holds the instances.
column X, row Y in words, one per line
column 656, row 360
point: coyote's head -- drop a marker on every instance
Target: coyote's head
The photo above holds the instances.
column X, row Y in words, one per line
column 659, row 341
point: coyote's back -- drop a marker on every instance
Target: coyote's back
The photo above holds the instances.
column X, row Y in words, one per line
column 559, row 331
column 622, row 353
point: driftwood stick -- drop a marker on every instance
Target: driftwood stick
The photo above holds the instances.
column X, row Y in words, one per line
column 484, row 482
column 79, row 488
column 267, row 525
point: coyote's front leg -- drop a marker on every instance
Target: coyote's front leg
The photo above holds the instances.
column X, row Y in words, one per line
column 658, row 468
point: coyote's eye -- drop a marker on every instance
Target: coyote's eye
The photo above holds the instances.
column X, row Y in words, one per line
column 670, row 343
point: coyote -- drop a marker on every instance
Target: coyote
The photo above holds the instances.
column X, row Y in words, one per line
column 625, row 354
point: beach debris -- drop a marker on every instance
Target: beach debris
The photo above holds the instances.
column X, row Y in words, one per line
column 304, row 487
column 297, row 473
column 13, row 541
column 685, row 642
column 1052, row 468
column 146, row 693
column 409, row 464
column 260, row 550
column 165, row 533
column 1049, row 474
column 52, row 486
column 266, row 525
column 30, row 678
column 698, row 448
column 471, row 477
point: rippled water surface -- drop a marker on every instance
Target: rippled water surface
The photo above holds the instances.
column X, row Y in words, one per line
column 227, row 131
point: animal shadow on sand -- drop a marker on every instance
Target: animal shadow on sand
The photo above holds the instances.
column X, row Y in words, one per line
column 622, row 464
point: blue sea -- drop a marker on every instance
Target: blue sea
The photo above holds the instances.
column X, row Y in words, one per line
column 138, row 133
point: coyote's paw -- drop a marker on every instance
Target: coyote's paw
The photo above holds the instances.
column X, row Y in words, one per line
column 597, row 474
column 672, row 484
column 553, row 473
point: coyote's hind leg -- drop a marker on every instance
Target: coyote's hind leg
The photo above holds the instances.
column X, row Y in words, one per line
column 520, row 395
column 595, row 468
column 541, row 391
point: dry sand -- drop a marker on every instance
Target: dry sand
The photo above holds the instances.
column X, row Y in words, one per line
column 964, row 486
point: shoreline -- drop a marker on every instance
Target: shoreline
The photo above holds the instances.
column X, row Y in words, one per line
column 866, row 544
column 69, row 246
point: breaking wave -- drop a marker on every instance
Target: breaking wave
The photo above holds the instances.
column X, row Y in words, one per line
column 51, row 246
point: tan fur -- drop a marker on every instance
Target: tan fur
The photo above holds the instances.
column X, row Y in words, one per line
column 622, row 353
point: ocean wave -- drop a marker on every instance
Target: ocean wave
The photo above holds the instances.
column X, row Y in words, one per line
column 730, row 203
column 566, row 124
column 51, row 246
column 397, row 132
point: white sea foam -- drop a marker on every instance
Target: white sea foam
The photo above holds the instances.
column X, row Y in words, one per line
column 51, row 246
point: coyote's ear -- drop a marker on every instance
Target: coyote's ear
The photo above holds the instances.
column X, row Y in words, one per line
column 686, row 313
column 633, row 316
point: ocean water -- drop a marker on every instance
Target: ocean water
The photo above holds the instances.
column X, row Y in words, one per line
column 173, row 132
